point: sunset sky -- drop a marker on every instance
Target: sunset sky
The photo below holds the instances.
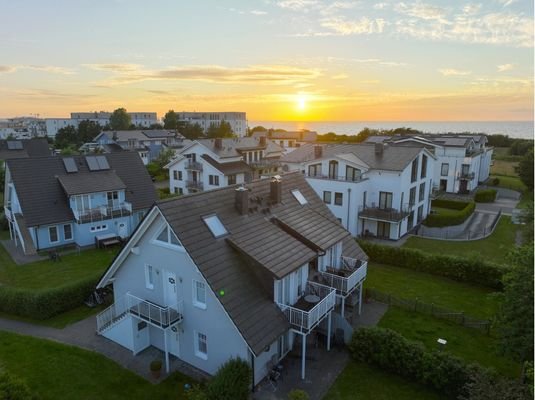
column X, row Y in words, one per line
column 276, row 60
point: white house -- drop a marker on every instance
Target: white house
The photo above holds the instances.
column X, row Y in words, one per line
column 212, row 163
column 237, row 120
column 243, row 271
column 289, row 140
column 373, row 189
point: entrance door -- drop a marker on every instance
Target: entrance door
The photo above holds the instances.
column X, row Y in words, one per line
column 170, row 290
column 383, row 229
column 443, row 185
column 463, row 187
column 173, row 341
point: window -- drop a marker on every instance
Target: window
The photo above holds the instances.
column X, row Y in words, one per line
column 420, row 213
column 424, row 166
column 412, row 196
column 167, row 236
column 444, row 169
column 299, row 197
column 113, row 198
column 199, row 294
column 98, row 228
column 352, row 174
column 314, row 170
column 422, row 192
column 465, row 169
column 385, row 200
column 327, row 197
column 53, row 234
column 149, row 276
column 177, row 175
column 333, row 169
column 67, row 232
column 215, row 225
column 338, row 198
column 201, row 345
column 232, row 179
column 213, row 180
column 414, row 170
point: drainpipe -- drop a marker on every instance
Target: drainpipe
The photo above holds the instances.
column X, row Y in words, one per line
column 37, row 238
column 348, row 206
column 252, row 368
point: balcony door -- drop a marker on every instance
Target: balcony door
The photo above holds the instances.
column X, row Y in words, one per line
column 383, row 230
column 170, row 290
column 385, row 200
column 82, row 202
column 333, row 169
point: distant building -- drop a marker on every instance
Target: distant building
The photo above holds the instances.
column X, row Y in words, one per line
column 22, row 128
column 289, row 140
column 237, row 120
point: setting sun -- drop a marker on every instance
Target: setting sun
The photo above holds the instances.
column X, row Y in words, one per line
column 301, row 102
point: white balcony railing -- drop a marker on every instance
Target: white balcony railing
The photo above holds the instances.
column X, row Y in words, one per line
column 8, row 214
column 154, row 313
column 110, row 315
column 103, row 212
column 303, row 319
column 347, row 277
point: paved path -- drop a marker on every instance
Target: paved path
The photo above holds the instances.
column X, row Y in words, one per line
column 83, row 334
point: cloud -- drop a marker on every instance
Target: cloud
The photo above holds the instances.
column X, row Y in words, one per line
column 362, row 26
column 505, row 67
column 422, row 11
column 297, row 5
column 371, row 82
column 7, row 69
column 506, row 3
column 471, row 9
column 380, row 6
column 44, row 68
column 258, row 12
column 453, row 72
column 114, row 67
column 255, row 74
column 340, row 76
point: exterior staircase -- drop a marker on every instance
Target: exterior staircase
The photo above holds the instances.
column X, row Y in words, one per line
column 24, row 235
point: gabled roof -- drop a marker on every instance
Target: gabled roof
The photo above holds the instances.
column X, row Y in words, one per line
column 228, row 168
column 37, row 147
column 302, row 136
column 43, row 199
column 231, row 147
column 93, row 182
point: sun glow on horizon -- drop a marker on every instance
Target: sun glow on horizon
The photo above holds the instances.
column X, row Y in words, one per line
column 301, row 102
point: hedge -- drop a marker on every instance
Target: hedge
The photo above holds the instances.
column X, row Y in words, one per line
column 231, row 381
column 460, row 213
column 390, row 351
column 471, row 270
column 485, row 196
column 44, row 304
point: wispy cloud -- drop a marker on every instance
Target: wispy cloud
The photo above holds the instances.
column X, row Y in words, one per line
column 7, row 69
column 44, row 68
column 505, row 67
column 422, row 11
column 506, row 3
column 453, row 72
column 297, row 4
column 362, row 26
column 114, row 67
column 340, row 76
column 258, row 12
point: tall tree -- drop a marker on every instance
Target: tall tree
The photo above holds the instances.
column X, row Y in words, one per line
column 516, row 316
column 120, row 120
column 170, row 120
column 223, row 130
column 192, row 131
column 525, row 169
column 88, row 130
column 66, row 137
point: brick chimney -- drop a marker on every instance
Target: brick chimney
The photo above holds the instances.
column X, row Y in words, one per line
column 218, row 143
column 242, row 200
column 379, row 148
column 263, row 141
column 275, row 189
column 318, row 151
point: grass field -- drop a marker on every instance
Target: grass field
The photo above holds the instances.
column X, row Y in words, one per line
column 363, row 382
column 500, row 167
column 56, row 371
column 475, row 301
column 509, row 182
column 465, row 343
column 493, row 248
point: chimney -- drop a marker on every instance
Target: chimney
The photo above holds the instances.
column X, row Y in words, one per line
column 242, row 200
column 318, row 151
column 379, row 148
column 218, row 143
column 275, row 189
column 263, row 141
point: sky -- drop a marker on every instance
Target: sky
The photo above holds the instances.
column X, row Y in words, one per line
column 277, row 60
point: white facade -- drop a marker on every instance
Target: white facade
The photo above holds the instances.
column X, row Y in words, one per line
column 237, row 120
column 53, row 125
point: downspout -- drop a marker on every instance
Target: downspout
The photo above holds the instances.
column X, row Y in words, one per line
column 37, row 238
column 348, row 206
column 252, row 368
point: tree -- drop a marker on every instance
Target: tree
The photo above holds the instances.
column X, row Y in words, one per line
column 259, row 128
column 66, row 137
column 120, row 120
column 192, row 131
column 515, row 321
column 223, row 130
column 170, row 120
column 88, row 130
column 487, row 387
column 525, row 169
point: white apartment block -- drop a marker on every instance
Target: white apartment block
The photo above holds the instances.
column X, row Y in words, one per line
column 289, row 140
column 237, row 120
column 373, row 189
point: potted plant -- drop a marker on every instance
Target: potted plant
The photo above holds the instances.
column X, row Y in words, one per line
column 156, row 368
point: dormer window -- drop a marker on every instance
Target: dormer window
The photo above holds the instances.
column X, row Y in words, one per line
column 167, row 238
column 299, row 197
column 215, row 225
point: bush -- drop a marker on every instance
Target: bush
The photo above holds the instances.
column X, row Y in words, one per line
column 44, row 304
column 12, row 388
column 231, row 381
column 495, row 181
column 298, row 394
column 390, row 351
column 470, row 270
column 485, row 196
column 196, row 392
column 460, row 213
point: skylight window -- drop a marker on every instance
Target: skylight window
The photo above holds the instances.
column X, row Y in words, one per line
column 215, row 225
column 299, row 197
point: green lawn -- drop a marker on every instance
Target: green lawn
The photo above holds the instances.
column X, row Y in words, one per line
column 363, row 382
column 465, row 343
column 509, row 182
column 493, row 248
column 56, row 371
column 475, row 301
column 46, row 274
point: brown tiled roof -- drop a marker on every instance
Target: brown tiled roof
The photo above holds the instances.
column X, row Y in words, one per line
column 228, row 168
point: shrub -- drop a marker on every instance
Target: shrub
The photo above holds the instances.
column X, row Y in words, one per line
column 495, row 181
column 471, row 270
column 196, row 392
column 460, row 213
column 231, row 381
column 485, row 196
column 12, row 388
column 298, row 394
column 44, row 304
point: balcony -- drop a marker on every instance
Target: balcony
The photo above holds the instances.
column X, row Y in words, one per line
column 384, row 214
column 196, row 185
column 193, row 166
column 335, row 177
column 346, row 277
column 467, row 175
column 264, row 163
column 102, row 213
column 306, row 315
column 8, row 213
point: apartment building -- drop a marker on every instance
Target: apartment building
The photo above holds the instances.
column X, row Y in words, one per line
column 237, row 120
column 289, row 140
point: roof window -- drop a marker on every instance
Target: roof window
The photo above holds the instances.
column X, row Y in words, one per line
column 299, row 197
column 215, row 225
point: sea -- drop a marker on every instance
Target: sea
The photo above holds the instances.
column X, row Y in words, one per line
column 515, row 129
